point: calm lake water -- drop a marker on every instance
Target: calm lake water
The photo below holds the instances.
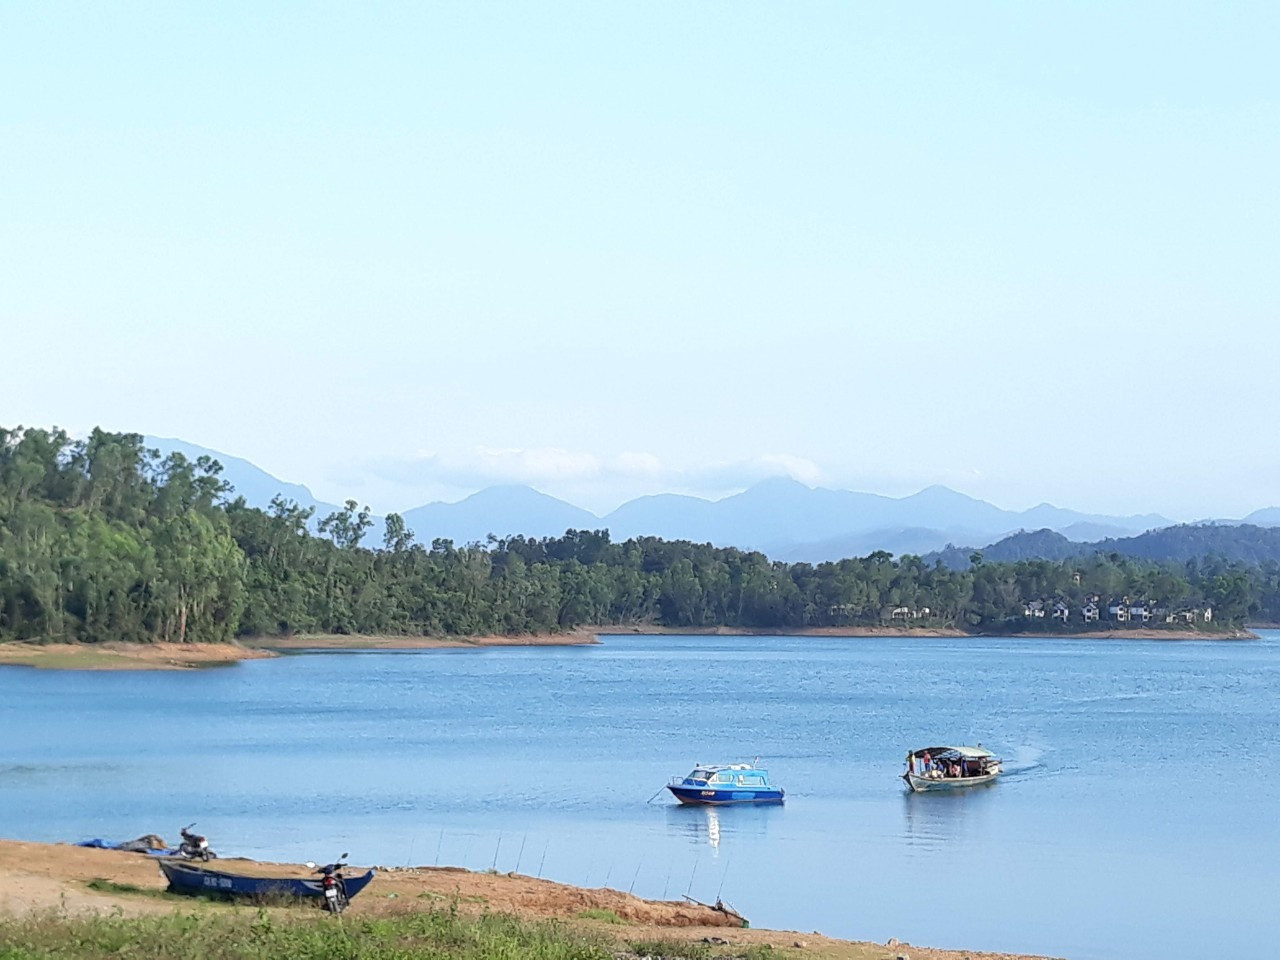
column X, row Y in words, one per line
column 1138, row 819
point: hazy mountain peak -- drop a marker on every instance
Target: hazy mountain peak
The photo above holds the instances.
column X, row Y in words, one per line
column 782, row 516
column 512, row 493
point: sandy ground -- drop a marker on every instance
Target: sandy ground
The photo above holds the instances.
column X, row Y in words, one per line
column 125, row 656
column 40, row 877
column 188, row 656
column 335, row 641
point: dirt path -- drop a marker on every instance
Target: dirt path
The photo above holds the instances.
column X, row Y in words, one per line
column 38, row 877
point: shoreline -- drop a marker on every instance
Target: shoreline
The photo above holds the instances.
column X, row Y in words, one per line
column 1123, row 633
column 194, row 656
column 38, row 877
column 341, row 641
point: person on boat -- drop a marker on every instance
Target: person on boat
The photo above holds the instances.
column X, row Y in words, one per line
column 926, row 762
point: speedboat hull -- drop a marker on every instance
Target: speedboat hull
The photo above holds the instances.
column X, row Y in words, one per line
column 920, row 784
column 713, row 796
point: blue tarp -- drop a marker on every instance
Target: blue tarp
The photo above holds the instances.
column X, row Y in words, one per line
column 99, row 844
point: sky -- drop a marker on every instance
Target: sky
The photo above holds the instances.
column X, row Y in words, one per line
column 403, row 251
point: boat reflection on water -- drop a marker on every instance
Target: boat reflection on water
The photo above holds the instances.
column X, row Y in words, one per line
column 709, row 825
column 932, row 820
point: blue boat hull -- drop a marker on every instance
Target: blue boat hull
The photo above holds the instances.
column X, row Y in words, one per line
column 719, row 797
column 198, row 881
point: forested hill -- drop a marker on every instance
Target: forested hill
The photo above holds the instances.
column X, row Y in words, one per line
column 102, row 539
column 1242, row 543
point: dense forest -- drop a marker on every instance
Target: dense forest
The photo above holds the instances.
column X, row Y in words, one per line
column 102, row 539
column 1253, row 545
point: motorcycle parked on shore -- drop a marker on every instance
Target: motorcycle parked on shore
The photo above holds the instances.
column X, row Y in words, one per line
column 194, row 846
column 332, row 883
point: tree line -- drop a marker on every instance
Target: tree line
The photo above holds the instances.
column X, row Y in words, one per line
column 102, row 539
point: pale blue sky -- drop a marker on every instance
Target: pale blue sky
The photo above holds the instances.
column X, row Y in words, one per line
column 402, row 251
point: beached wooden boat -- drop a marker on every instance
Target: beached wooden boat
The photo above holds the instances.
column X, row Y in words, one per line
column 190, row 879
column 950, row 768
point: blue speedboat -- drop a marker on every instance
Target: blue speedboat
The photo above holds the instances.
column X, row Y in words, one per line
column 720, row 784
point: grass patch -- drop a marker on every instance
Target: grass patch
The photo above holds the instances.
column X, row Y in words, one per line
column 133, row 890
column 110, row 886
column 260, row 935
column 598, row 913
column 697, row 950
column 682, row 949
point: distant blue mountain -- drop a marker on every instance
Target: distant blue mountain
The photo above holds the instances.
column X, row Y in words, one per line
column 1266, row 517
column 257, row 486
column 781, row 517
column 502, row 511
column 251, row 482
column 791, row 521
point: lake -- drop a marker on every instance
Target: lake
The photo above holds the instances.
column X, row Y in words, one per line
column 1137, row 818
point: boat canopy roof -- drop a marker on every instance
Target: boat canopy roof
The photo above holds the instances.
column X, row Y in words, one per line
column 713, row 767
column 952, row 753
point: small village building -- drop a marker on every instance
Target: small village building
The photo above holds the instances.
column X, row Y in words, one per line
column 1061, row 611
column 1034, row 609
column 1090, row 612
column 1119, row 612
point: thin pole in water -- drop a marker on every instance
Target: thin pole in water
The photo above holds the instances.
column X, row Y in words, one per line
column 543, row 861
column 692, row 875
column 635, row 878
column 520, row 855
column 666, row 884
column 495, row 851
column 655, row 796
column 409, row 859
column 607, row 873
column 723, row 878
column 439, row 844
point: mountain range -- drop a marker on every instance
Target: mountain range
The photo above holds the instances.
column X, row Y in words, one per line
column 783, row 518
column 1248, row 543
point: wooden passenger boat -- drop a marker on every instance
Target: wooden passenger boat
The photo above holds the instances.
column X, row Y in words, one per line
column 950, row 768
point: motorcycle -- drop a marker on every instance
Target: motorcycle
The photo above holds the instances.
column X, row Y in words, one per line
column 332, row 883
column 194, row 846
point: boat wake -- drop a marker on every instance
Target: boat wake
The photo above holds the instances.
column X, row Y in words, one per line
column 1025, row 759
